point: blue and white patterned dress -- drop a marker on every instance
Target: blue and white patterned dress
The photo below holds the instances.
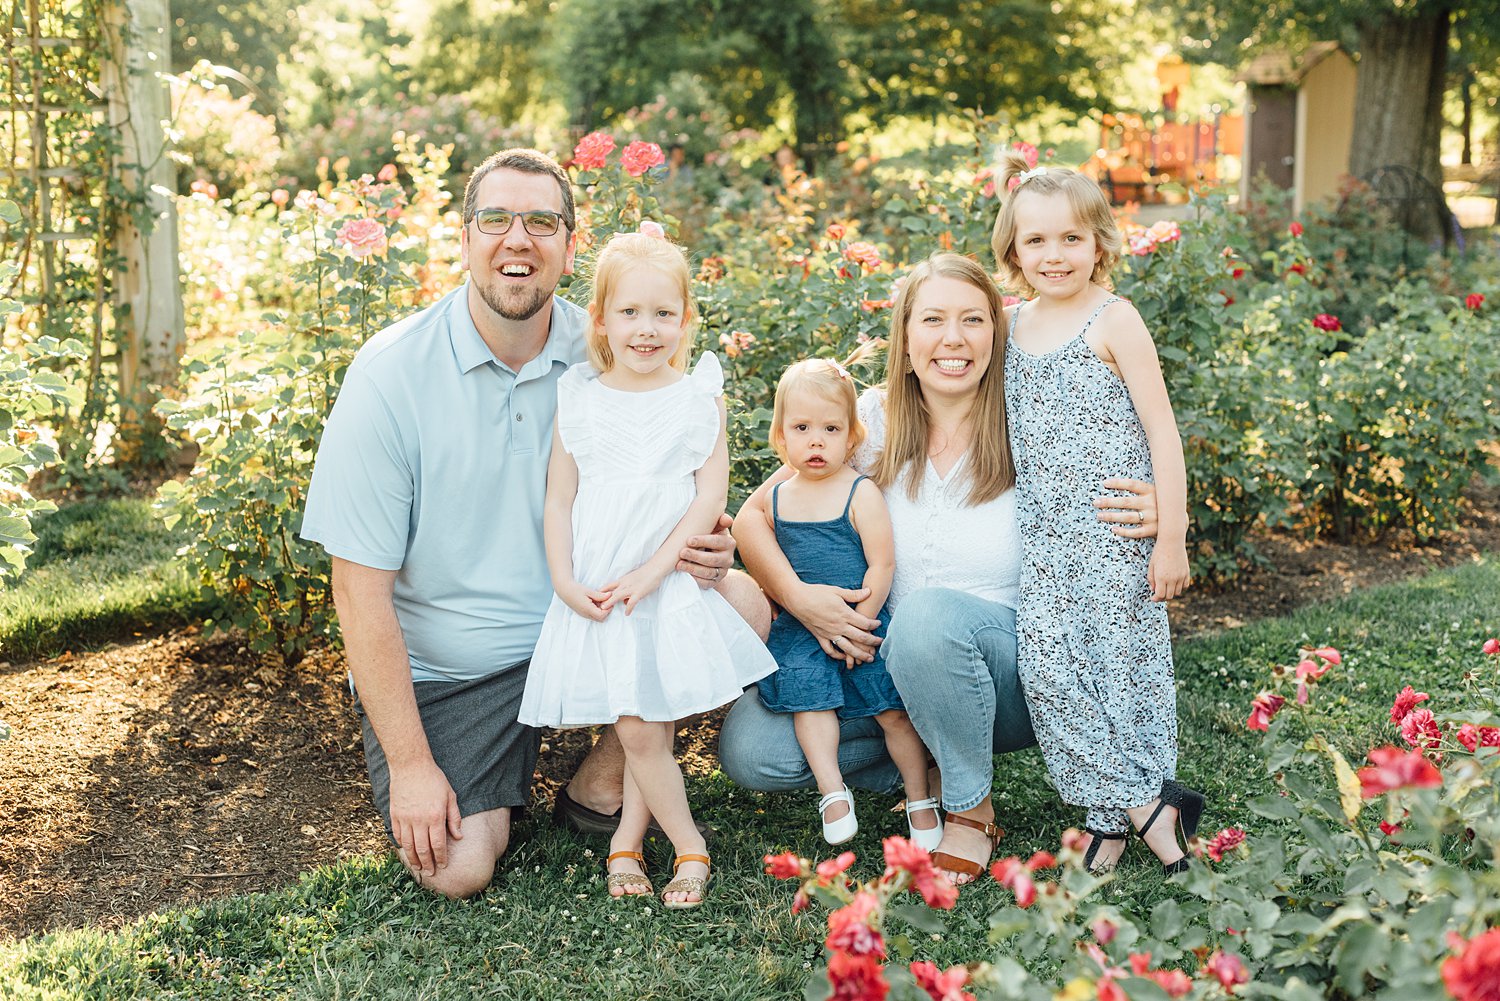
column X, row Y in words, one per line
column 1095, row 655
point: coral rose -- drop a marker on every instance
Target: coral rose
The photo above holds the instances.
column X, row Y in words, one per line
column 1263, row 709
column 856, row 978
column 851, row 928
column 1405, row 703
column 1228, row 968
column 1225, row 841
column 864, row 254
column 593, row 150
column 946, row 985
column 640, row 157
column 787, row 865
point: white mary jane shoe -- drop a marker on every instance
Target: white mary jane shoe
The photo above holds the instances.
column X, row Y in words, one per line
column 836, row 832
column 926, row 838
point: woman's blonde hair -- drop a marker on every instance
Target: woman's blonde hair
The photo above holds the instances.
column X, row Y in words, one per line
column 990, row 470
column 1085, row 197
column 623, row 252
column 828, row 379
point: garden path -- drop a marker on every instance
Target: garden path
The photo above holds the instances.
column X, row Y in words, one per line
column 158, row 772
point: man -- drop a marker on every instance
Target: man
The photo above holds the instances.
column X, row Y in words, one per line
column 428, row 493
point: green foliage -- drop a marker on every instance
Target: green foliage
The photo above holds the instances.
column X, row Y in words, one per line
column 260, row 414
column 100, row 570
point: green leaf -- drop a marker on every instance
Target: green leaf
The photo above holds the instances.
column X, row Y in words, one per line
column 921, row 917
column 1359, row 953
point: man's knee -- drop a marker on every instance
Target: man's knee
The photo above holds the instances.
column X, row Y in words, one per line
column 758, row 749
column 746, row 598
column 472, row 858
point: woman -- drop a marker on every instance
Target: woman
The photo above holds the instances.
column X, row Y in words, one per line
column 938, row 449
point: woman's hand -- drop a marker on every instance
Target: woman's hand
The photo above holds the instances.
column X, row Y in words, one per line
column 709, row 557
column 828, row 614
column 1134, row 517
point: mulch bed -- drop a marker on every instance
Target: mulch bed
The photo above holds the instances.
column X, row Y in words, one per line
column 171, row 770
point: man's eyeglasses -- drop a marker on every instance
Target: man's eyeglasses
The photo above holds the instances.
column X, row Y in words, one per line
column 497, row 222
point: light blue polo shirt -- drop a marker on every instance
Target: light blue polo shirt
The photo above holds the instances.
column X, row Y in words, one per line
column 434, row 463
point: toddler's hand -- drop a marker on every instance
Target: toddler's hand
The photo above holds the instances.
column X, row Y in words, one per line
column 1168, row 573
column 631, row 588
column 589, row 604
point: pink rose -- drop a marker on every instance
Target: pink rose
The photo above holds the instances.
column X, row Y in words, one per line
column 387, row 173
column 640, row 157
column 362, row 237
column 1224, row 842
column 1420, row 729
column 593, row 150
column 1165, row 231
column 1393, row 768
column 1227, row 967
column 1405, row 703
column 280, row 197
column 1491, row 646
column 864, row 254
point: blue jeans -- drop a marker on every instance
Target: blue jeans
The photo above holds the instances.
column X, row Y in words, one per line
column 953, row 659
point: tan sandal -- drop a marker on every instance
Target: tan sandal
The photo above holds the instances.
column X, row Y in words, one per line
column 963, row 866
column 685, row 884
column 626, row 880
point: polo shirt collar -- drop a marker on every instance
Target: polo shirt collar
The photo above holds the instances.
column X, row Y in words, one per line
column 563, row 343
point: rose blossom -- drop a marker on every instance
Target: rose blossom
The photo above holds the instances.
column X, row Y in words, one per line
column 1295, row 229
column 1393, row 768
column 787, row 865
column 851, row 928
column 864, row 254
column 1405, row 703
column 836, row 231
column 1028, row 151
column 363, row 237
column 946, row 985
column 640, row 157
column 1224, row 842
column 1165, row 231
column 1263, row 709
column 1328, row 322
column 1472, row 973
column 1011, row 874
column 1491, row 646
column 1329, row 654
column 387, row 173
column 1474, row 737
column 1105, row 930
column 1228, row 968
column 1473, row 300
column 832, row 867
column 902, row 855
column 651, row 228
column 280, row 197
column 856, row 978
column 1420, row 729
column 593, row 150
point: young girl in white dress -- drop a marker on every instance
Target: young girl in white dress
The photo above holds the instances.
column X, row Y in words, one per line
column 639, row 463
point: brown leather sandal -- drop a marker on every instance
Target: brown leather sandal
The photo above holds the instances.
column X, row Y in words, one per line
column 626, row 880
column 963, row 866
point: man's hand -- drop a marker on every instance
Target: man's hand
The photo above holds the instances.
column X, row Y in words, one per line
column 424, row 815
column 828, row 614
column 709, row 557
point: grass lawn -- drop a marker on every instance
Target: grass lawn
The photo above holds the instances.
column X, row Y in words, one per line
column 546, row 930
column 99, row 570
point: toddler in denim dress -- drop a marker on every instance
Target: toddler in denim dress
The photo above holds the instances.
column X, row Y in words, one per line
column 834, row 530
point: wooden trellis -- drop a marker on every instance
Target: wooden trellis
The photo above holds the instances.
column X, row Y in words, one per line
column 83, row 111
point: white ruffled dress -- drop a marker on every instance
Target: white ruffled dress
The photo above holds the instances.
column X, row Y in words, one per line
column 683, row 650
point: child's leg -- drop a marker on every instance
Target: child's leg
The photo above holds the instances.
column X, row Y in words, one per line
column 818, row 734
column 656, row 776
column 630, row 836
column 910, row 756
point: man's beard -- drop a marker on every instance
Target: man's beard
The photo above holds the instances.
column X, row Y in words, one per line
column 528, row 308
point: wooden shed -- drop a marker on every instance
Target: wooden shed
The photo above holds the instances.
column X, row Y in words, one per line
column 1299, row 121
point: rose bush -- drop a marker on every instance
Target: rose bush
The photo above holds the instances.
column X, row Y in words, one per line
column 1371, row 883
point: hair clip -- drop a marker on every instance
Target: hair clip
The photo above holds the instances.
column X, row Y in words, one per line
column 651, row 228
column 1027, row 175
column 843, row 373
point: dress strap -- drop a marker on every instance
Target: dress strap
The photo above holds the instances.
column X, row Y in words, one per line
column 1015, row 318
column 850, row 502
column 1095, row 314
column 775, row 510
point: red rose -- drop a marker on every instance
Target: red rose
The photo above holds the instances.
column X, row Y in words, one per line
column 942, row 986
column 1393, row 768
column 1297, row 269
column 1295, row 229
column 851, row 928
column 1225, row 841
column 1472, row 973
column 1405, row 703
column 832, row 867
column 1473, row 300
column 1263, row 709
column 1420, row 729
column 1491, row 646
column 1474, row 737
column 1326, row 321
column 787, row 865
column 856, row 978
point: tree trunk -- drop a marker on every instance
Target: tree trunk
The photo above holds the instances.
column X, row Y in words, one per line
column 149, row 317
column 1398, row 104
column 1466, row 124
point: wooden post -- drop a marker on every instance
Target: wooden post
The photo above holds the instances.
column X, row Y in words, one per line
column 149, row 315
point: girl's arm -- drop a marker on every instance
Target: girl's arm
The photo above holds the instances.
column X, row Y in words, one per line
column 557, row 532
column 701, row 518
column 872, row 521
column 1130, row 345
column 825, row 611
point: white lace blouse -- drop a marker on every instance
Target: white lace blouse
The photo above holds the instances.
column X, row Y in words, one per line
column 940, row 540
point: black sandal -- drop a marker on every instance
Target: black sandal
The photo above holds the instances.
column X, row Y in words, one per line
column 1093, row 849
column 1189, row 805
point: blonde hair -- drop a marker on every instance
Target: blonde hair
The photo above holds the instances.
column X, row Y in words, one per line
column 623, row 252
column 828, row 379
column 1085, row 197
column 990, row 469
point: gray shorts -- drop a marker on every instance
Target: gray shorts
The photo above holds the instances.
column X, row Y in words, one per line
column 486, row 754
